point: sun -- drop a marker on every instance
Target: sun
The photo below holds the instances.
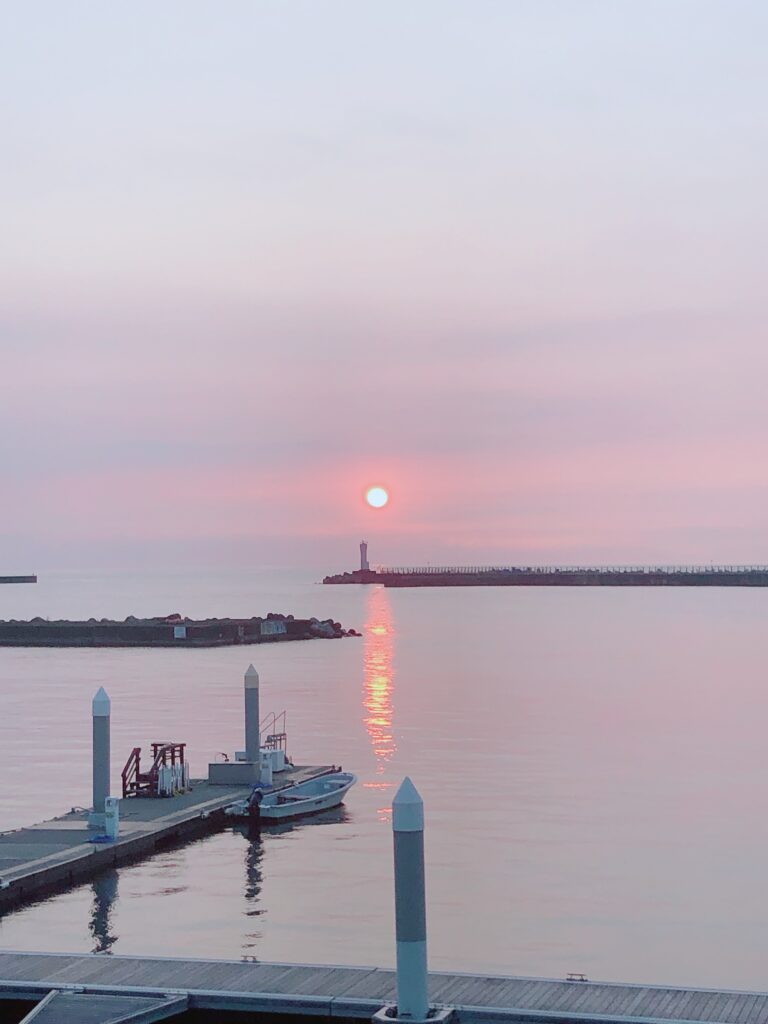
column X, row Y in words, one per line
column 376, row 497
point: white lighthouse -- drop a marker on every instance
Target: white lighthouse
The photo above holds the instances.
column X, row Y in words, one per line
column 364, row 567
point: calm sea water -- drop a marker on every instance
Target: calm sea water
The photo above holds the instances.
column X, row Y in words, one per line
column 593, row 764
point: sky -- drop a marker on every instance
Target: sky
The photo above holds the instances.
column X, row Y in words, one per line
column 504, row 257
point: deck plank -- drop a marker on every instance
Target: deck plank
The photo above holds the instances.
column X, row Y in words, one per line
column 760, row 1015
column 748, row 1008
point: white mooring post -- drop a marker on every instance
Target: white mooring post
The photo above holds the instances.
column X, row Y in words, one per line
column 252, row 742
column 100, row 710
column 410, row 914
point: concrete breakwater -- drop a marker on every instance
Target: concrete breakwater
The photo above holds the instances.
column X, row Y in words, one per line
column 168, row 631
column 560, row 576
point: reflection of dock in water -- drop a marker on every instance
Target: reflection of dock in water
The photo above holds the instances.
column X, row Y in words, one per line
column 255, row 836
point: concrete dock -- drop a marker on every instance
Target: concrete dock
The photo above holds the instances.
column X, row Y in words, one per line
column 52, row 855
column 164, row 987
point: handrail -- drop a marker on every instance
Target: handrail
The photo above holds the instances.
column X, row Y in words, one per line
column 269, row 723
column 130, row 773
column 272, row 732
column 135, row 781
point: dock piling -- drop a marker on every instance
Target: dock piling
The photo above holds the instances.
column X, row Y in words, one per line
column 410, row 903
column 410, row 916
column 252, row 737
column 100, row 711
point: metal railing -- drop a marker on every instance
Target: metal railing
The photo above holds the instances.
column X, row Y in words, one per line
column 272, row 732
column 135, row 782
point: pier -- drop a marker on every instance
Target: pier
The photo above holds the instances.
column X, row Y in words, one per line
column 18, row 579
column 558, row 576
column 131, row 988
column 54, row 855
column 159, row 805
column 63, row 988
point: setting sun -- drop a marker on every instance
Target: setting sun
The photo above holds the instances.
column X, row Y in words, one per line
column 376, row 497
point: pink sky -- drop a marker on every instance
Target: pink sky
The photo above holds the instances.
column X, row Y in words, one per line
column 506, row 259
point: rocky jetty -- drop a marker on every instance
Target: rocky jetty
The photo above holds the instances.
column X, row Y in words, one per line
column 167, row 631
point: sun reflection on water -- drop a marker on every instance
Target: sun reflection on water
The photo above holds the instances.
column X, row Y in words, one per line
column 378, row 688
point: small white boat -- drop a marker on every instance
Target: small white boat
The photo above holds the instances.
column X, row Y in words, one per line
column 310, row 797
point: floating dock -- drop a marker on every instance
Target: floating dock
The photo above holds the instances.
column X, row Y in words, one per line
column 100, row 988
column 57, row 854
column 559, row 576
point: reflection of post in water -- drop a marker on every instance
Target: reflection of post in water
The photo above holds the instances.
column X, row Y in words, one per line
column 378, row 648
column 104, row 898
column 253, row 856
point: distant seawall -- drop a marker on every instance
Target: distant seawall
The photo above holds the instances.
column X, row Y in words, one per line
column 171, row 631
column 560, row 576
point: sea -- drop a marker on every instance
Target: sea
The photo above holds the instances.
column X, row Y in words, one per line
column 593, row 764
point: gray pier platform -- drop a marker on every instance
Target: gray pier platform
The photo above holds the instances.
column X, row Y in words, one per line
column 56, row 854
column 173, row 985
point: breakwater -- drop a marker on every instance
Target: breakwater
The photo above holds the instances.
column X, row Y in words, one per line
column 18, row 579
column 167, row 631
column 560, row 576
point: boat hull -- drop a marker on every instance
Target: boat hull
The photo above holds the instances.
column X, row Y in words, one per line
column 312, row 805
column 306, row 798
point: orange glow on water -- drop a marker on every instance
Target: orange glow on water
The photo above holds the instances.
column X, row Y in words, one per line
column 378, row 680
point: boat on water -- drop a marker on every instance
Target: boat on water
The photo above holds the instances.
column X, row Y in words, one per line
column 303, row 798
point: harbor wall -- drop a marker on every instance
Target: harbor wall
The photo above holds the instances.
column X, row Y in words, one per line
column 173, row 631
column 558, row 578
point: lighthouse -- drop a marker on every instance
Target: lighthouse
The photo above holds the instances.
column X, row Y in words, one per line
column 364, row 567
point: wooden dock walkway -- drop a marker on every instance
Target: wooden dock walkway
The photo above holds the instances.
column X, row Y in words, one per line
column 40, row 859
column 164, row 987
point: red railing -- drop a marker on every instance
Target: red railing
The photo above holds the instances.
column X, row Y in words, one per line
column 130, row 773
column 138, row 783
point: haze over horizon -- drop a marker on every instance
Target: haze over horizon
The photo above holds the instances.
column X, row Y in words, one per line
column 506, row 260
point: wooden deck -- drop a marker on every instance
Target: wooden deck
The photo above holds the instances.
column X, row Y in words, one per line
column 356, row 992
column 56, row 854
